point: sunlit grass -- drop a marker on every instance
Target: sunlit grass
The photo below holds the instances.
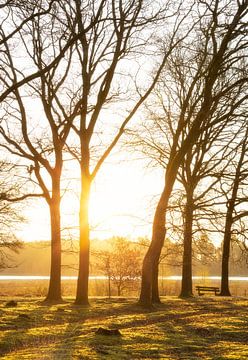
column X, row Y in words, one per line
column 199, row 328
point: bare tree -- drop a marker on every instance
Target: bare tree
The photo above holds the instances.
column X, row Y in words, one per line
column 200, row 170
column 219, row 42
column 39, row 138
column 125, row 30
column 121, row 264
column 196, row 168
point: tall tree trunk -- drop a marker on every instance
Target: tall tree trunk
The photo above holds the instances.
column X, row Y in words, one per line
column 229, row 221
column 84, row 243
column 155, row 287
column 151, row 259
column 54, row 290
column 226, row 254
column 186, row 287
column 146, row 280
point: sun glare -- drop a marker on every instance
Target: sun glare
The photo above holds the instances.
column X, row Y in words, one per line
column 118, row 206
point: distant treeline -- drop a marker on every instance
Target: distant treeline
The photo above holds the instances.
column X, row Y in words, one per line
column 34, row 259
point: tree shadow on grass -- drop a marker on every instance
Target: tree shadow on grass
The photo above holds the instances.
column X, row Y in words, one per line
column 86, row 344
column 210, row 333
column 29, row 324
column 178, row 329
column 70, row 341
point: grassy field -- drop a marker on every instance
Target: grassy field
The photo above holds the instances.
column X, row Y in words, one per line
column 198, row 328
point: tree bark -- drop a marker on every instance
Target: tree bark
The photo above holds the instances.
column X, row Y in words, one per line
column 229, row 221
column 84, row 242
column 226, row 254
column 155, row 287
column 151, row 259
column 54, row 290
column 186, row 286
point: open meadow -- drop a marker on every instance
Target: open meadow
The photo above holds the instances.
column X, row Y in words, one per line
column 197, row 328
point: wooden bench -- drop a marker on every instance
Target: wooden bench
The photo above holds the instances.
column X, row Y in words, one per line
column 203, row 289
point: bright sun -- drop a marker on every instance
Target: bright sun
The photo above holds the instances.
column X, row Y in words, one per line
column 118, row 206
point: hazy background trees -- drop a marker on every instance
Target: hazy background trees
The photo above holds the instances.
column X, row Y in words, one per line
column 10, row 214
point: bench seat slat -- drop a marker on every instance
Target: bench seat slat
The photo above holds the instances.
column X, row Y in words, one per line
column 206, row 288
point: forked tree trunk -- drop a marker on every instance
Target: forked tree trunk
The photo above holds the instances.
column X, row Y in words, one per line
column 186, row 286
column 84, row 244
column 54, row 290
